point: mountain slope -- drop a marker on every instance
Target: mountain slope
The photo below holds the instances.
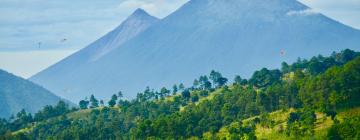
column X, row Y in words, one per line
column 229, row 36
column 83, row 59
column 17, row 93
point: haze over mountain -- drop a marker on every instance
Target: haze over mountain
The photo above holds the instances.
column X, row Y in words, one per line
column 17, row 93
column 232, row 36
column 81, row 60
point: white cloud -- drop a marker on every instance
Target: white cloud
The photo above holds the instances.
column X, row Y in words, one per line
column 344, row 11
column 306, row 12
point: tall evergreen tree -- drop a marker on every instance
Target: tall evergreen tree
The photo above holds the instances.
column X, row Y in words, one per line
column 237, row 79
column 181, row 87
column 196, row 84
column 94, row 103
column 120, row 94
column 175, row 89
column 84, row 104
column 186, row 94
column 164, row 92
column 113, row 100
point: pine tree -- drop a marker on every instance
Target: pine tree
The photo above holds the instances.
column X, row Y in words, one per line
column 164, row 92
column 181, row 86
column 237, row 79
column 175, row 89
column 186, row 94
column 120, row 94
column 84, row 104
column 196, row 84
column 102, row 103
column 94, row 103
column 113, row 100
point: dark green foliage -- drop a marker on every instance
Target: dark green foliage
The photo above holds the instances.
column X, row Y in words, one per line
column 285, row 68
column 332, row 114
column 345, row 56
column 93, row 102
column 238, row 131
column 119, row 95
column 348, row 129
column 113, row 100
column 181, row 87
column 52, row 111
column 22, row 119
column 175, row 89
column 4, row 126
column 265, row 77
column 204, row 93
column 206, row 116
column 301, row 123
column 218, row 79
column 84, row 104
column 102, row 103
column 194, row 98
column 325, row 84
column 238, row 80
column 337, row 88
column 196, row 84
column 205, row 84
column 164, row 92
column 319, row 64
column 185, row 94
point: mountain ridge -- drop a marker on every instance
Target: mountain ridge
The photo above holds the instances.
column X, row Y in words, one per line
column 212, row 34
column 17, row 93
column 137, row 22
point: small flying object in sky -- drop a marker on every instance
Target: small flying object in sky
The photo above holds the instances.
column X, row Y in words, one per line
column 282, row 53
column 39, row 44
column 63, row 40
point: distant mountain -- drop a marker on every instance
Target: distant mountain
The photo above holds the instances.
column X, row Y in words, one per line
column 79, row 62
column 230, row 36
column 17, row 93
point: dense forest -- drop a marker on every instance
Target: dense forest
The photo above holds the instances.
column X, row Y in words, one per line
column 309, row 99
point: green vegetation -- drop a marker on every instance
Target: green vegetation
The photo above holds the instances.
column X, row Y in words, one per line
column 310, row 99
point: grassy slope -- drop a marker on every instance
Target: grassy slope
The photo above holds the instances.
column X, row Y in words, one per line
column 323, row 122
column 84, row 114
column 81, row 114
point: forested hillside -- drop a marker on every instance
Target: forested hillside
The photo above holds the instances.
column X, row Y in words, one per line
column 309, row 99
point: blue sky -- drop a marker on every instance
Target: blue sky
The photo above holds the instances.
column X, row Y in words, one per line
column 25, row 23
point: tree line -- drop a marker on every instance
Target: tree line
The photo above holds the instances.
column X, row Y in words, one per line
column 321, row 84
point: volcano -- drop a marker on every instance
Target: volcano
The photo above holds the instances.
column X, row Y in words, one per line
column 235, row 37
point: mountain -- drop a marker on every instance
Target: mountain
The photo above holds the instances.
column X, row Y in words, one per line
column 232, row 36
column 71, row 66
column 17, row 93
